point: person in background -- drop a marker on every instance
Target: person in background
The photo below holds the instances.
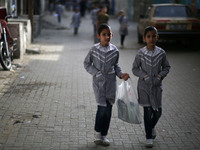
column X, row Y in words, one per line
column 94, row 15
column 107, row 4
column 59, row 11
column 68, row 5
column 51, row 6
column 89, row 5
column 102, row 18
column 123, row 29
column 76, row 20
column 151, row 66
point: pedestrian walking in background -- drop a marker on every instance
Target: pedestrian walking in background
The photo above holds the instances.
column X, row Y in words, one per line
column 106, row 3
column 151, row 66
column 94, row 16
column 59, row 11
column 89, row 5
column 76, row 20
column 102, row 18
column 123, row 29
column 68, row 5
column 102, row 63
column 51, row 6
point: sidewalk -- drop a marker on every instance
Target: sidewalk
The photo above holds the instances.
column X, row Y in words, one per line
column 49, row 103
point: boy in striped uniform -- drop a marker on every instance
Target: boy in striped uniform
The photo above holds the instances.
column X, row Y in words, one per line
column 102, row 63
column 151, row 66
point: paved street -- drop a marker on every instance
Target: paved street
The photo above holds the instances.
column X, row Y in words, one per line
column 48, row 103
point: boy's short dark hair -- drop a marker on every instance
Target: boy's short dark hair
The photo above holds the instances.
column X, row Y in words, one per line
column 102, row 6
column 150, row 28
column 102, row 27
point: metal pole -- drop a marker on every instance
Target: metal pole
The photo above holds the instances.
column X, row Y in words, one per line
column 16, row 8
column 21, row 6
column 30, row 15
column 131, row 9
column 30, row 10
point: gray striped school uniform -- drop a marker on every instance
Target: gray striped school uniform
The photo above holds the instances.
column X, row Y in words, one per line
column 76, row 20
column 151, row 63
column 102, row 63
column 123, row 29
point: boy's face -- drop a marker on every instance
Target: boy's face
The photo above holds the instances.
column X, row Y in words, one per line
column 121, row 13
column 151, row 38
column 104, row 10
column 105, row 37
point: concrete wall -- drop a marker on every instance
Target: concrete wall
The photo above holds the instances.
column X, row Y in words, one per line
column 17, row 31
column 20, row 29
column 27, row 29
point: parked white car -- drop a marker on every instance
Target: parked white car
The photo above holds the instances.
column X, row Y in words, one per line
column 173, row 21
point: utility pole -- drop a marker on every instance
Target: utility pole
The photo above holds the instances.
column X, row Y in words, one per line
column 176, row 1
column 131, row 9
column 30, row 15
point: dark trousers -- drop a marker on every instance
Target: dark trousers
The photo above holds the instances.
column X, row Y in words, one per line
column 75, row 31
column 151, row 117
column 122, row 39
column 59, row 18
column 103, row 117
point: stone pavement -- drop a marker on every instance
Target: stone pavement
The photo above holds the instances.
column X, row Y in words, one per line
column 49, row 104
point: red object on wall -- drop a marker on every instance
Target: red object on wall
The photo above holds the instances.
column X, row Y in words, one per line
column 3, row 13
column 4, row 24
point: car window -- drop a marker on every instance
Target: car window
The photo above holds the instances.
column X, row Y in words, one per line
column 172, row 11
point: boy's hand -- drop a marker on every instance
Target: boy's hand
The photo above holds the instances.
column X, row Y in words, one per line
column 125, row 76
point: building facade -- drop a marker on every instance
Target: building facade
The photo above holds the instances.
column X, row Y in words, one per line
column 27, row 9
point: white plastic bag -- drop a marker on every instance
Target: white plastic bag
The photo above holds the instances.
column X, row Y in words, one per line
column 128, row 107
